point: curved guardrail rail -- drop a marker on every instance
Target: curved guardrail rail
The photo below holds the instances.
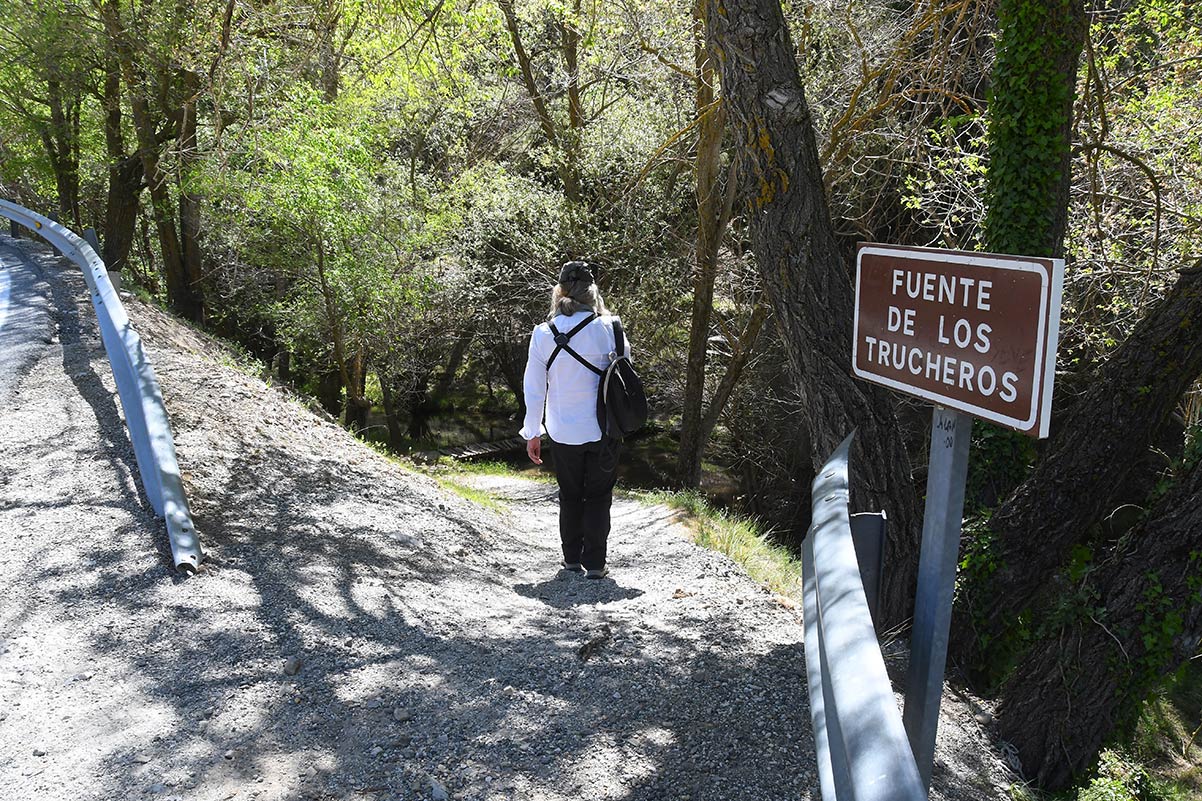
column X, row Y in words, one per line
column 141, row 399
column 863, row 753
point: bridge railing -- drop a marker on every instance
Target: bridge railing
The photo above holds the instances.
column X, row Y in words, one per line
column 141, row 399
column 863, row 752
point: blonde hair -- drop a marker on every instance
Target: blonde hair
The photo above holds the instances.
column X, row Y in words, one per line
column 576, row 296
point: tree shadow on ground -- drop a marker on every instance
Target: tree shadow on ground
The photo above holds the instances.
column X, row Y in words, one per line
column 417, row 659
column 494, row 690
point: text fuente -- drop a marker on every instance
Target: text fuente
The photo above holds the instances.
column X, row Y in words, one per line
column 966, row 335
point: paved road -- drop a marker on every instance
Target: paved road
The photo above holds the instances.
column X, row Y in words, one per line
column 26, row 325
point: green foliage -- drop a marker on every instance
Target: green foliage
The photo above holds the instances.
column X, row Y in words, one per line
column 1000, row 461
column 1136, row 193
column 1160, row 625
column 944, row 191
column 1118, row 779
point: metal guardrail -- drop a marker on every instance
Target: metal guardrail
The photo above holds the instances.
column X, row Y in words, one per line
column 141, row 399
column 863, row 753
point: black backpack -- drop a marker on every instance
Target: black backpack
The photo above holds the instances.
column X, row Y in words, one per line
column 621, row 401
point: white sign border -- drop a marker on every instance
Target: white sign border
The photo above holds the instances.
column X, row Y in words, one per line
column 1045, row 355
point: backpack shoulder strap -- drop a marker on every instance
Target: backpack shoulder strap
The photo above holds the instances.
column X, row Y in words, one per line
column 561, row 342
column 619, row 339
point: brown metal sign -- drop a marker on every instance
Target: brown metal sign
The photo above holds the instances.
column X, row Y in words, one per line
column 976, row 332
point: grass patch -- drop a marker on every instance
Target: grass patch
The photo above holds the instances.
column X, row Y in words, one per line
column 1121, row 777
column 740, row 538
column 1168, row 735
column 470, row 493
column 487, row 468
column 445, row 475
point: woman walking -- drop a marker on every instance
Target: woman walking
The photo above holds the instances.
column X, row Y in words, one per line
column 568, row 354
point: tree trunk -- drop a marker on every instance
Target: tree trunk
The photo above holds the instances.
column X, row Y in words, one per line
column 329, row 391
column 189, row 203
column 125, row 179
column 1030, row 125
column 806, row 277
column 179, row 291
column 419, row 407
column 1087, row 462
column 329, row 61
column 734, row 370
column 357, row 405
column 391, row 419
column 551, row 132
column 571, row 138
column 60, row 141
column 710, row 227
column 1143, row 620
column 443, row 386
column 1092, row 453
column 511, row 362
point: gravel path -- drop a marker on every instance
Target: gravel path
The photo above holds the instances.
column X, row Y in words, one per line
column 359, row 632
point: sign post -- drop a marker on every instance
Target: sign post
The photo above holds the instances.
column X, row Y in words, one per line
column 951, row 433
column 975, row 334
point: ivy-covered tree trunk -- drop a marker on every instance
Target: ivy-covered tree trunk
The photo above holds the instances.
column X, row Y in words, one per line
column 1030, row 125
column 1137, row 616
column 806, row 277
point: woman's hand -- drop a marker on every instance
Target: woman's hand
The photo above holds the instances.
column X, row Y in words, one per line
column 534, row 449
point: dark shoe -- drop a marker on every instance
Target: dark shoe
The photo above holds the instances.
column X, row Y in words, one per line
column 599, row 573
column 575, row 567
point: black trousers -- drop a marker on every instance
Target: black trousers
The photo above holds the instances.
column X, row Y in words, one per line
column 586, row 489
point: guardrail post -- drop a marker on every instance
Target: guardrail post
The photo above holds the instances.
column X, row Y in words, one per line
column 868, row 536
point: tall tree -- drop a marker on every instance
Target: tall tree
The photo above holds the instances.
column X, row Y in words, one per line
column 712, row 216
column 44, row 78
column 1030, row 131
column 151, row 126
column 1099, row 642
column 806, row 276
column 125, row 174
column 564, row 139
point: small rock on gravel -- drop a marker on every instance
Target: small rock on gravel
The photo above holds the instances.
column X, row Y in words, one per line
column 400, row 714
column 292, row 665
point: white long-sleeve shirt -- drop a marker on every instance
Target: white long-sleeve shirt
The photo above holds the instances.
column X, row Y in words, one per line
column 570, row 398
